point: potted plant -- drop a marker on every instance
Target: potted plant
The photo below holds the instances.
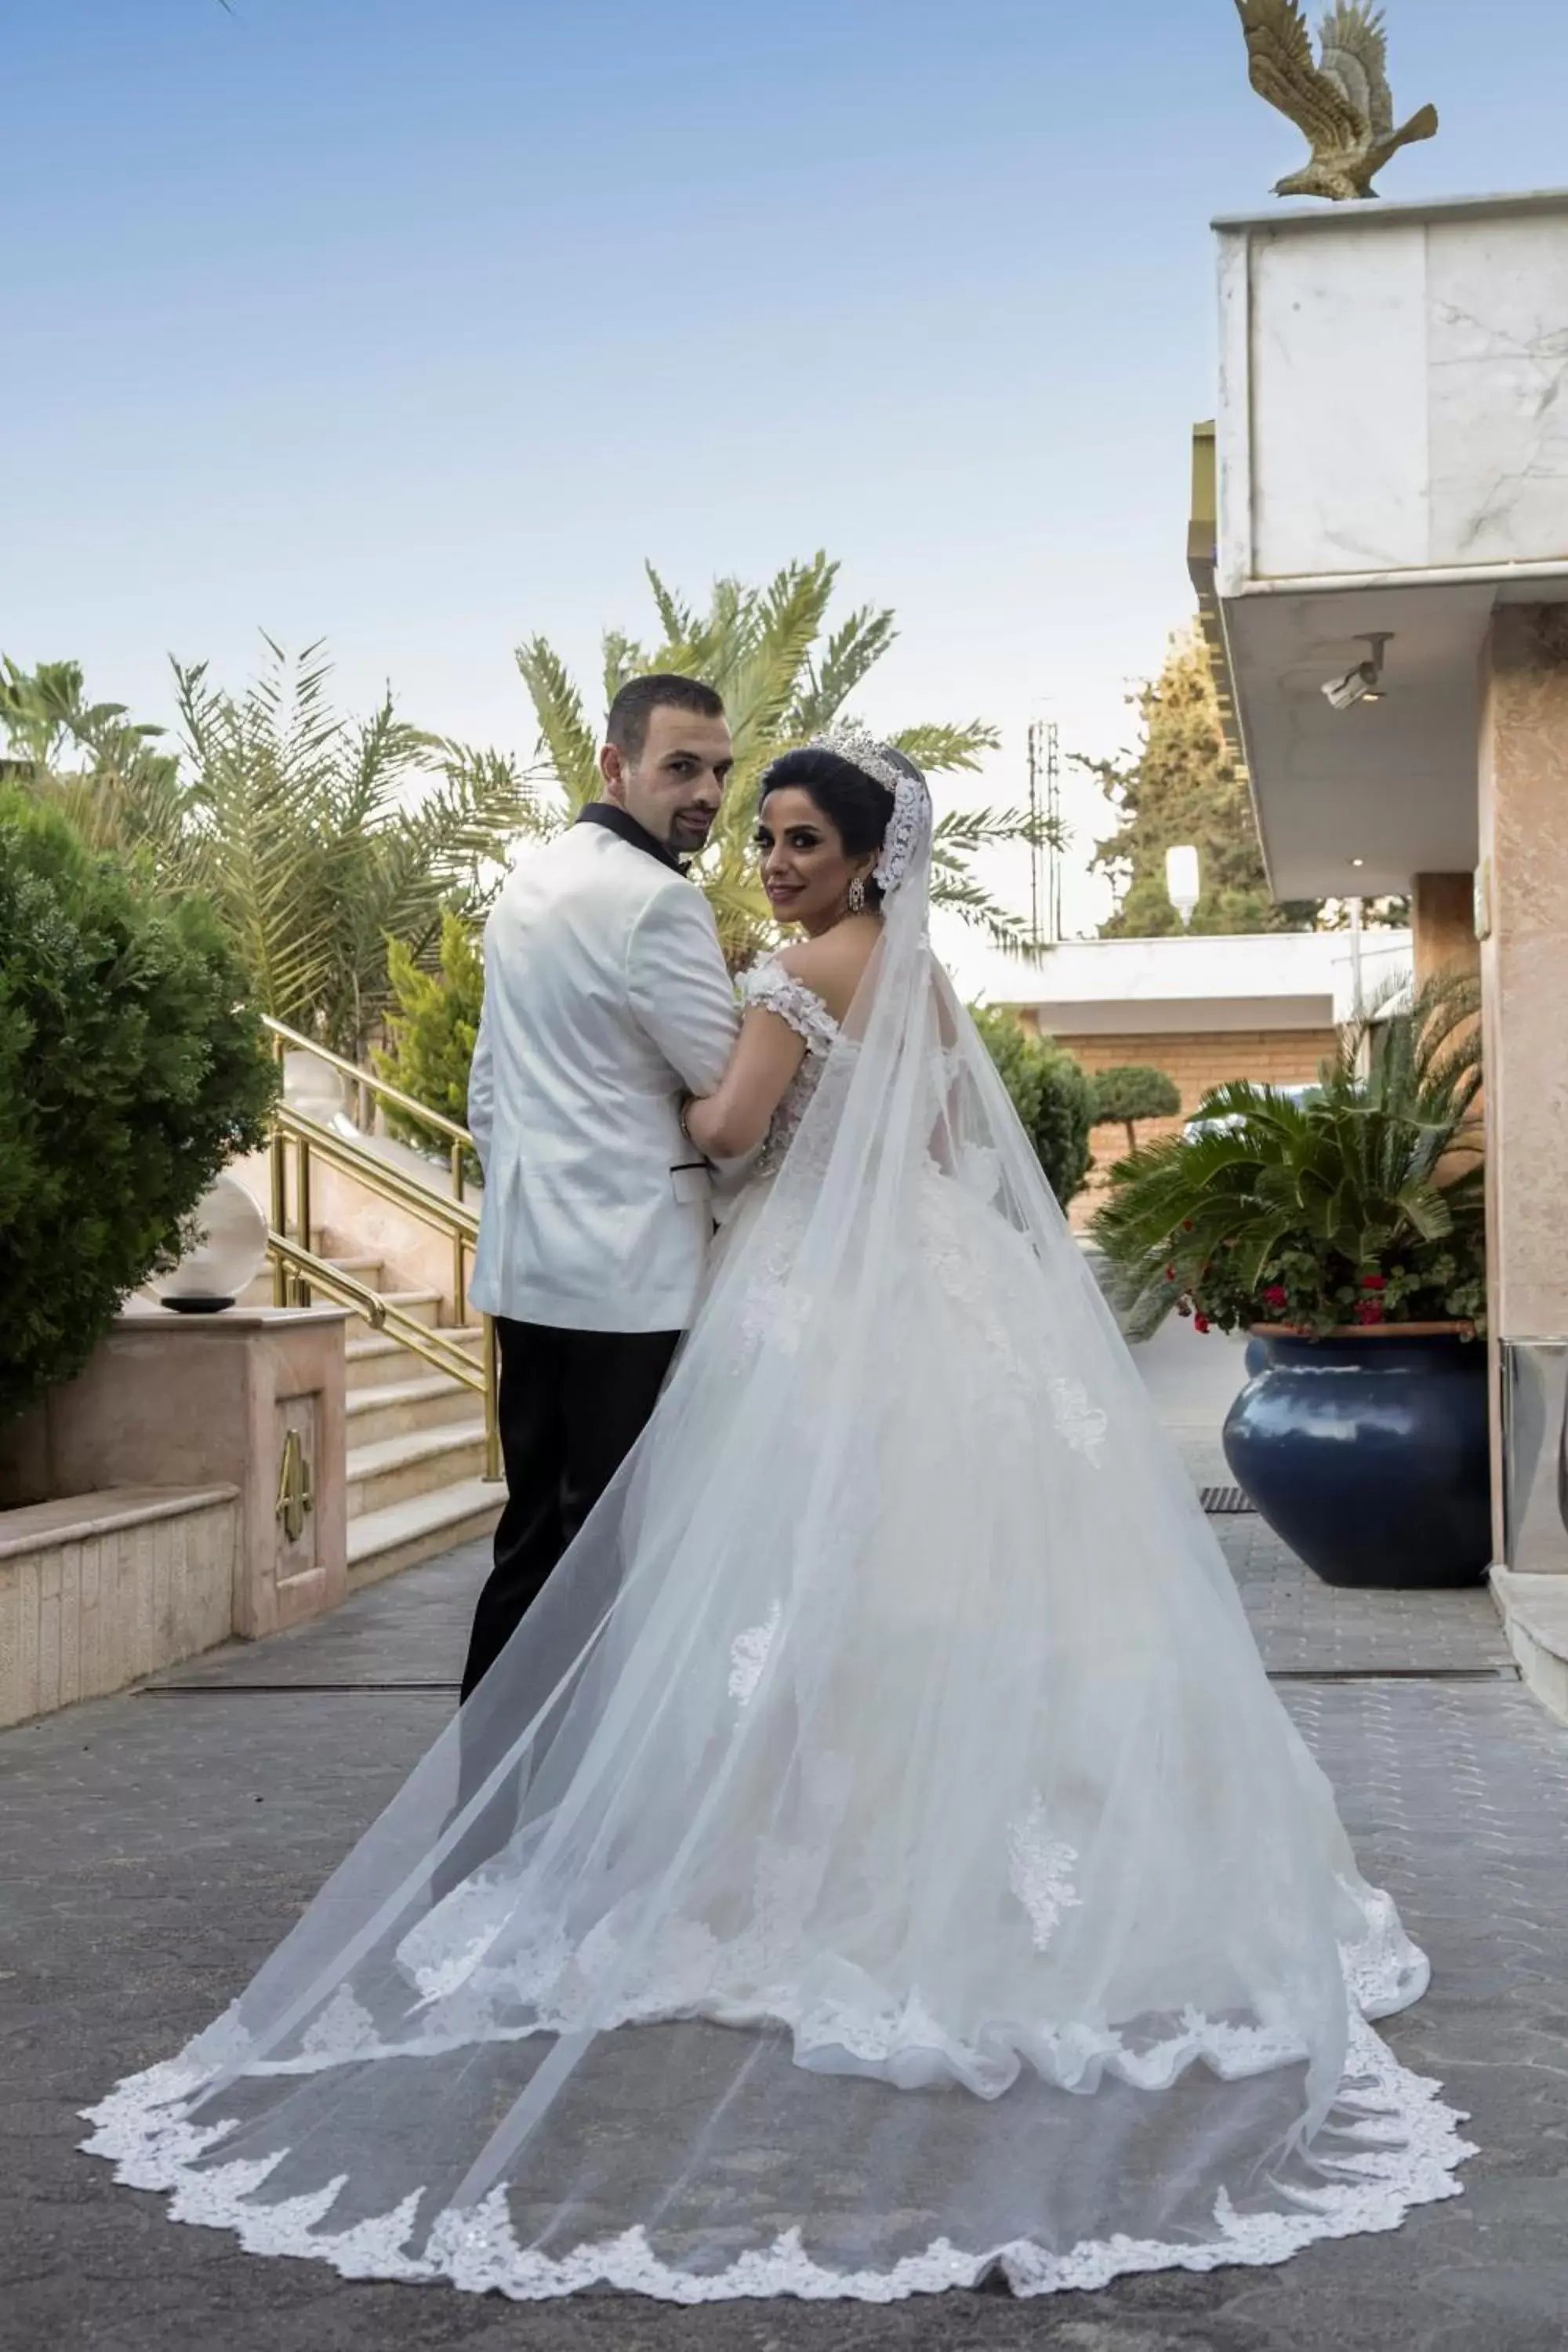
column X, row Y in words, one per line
column 1346, row 1233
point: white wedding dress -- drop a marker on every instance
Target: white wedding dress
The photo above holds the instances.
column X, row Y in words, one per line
column 886, row 1861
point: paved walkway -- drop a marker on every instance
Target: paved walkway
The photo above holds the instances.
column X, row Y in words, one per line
column 154, row 1848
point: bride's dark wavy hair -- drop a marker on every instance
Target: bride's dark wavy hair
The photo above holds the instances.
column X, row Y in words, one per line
column 858, row 808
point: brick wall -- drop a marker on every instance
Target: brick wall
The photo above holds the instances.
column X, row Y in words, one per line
column 1196, row 1060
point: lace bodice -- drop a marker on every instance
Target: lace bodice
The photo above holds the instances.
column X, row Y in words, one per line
column 773, row 989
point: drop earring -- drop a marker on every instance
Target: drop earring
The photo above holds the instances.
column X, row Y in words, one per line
column 855, row 903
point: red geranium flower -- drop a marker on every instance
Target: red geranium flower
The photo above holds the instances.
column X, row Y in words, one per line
column 1374, row 1282
column 1200, row 1323
column 1170, row 1274
column 1369, row 1311
column 1276, row 1295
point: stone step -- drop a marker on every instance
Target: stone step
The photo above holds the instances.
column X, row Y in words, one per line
column 369, row 1270
column 377, row 1356
column 402, row 1408
column 382, row 1542
column 397, row 1468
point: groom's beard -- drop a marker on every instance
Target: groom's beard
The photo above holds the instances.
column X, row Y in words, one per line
column 690, row 830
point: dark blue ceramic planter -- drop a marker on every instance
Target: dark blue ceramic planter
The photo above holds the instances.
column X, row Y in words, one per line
column 1370, row 1456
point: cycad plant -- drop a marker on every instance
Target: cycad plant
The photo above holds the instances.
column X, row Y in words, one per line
column 1361, row 1206
column 782, row 681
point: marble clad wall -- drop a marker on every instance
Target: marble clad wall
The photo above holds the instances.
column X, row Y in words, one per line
column 1405, row 385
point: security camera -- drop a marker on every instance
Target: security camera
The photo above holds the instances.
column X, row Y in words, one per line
column 1362, row 684
column 1344, row 693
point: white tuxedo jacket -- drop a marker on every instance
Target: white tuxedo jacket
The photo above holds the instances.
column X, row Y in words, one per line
column 607, row 1000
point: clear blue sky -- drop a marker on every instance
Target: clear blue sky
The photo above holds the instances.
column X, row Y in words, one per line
column 416, row 324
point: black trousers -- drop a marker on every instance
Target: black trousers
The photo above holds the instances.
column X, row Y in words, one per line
column 572, row 1406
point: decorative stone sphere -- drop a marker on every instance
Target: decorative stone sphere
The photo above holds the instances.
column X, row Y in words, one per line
column 230, row 1250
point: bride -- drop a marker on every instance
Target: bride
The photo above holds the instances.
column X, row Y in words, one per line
column 882, row 1862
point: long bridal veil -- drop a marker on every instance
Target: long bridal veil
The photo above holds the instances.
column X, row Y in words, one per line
column 879, row 1856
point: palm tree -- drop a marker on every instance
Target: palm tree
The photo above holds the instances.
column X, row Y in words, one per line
column 103, row 770
column 316, row 838
column 320, row 839
column 763, row 649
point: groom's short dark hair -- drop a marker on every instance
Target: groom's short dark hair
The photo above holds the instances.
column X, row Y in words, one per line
column 626, row 726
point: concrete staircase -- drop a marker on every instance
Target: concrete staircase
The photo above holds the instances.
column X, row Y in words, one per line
column 415, row 1440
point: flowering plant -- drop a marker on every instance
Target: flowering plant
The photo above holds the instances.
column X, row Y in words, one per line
column 1359, row 1207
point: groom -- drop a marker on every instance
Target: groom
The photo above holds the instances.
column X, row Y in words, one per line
column 606, row 1001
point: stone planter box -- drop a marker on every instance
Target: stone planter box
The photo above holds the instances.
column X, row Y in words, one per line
column 243, row 1410
column 101, row 1589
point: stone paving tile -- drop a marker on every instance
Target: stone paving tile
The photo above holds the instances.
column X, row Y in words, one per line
column 1305, row 1625
column 153, row 1849
column 412, row 1627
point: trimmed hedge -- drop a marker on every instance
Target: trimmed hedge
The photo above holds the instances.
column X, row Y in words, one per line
column 1053, row 1097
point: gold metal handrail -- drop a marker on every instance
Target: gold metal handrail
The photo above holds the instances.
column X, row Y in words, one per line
column 284, row 1036
column 298, row 1269
column 303, row 1271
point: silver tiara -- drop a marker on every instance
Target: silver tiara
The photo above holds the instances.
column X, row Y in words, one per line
column 908, row 827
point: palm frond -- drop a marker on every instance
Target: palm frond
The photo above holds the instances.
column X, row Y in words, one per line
column 944, row 750
column 963, row 896
column 854, row 649
column 676, row 620
column 563, row 732
column 962, row 834
column 623, row 659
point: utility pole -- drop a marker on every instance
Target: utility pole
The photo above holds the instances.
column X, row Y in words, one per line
column 1045, row 856
column 1054, row 814
column 1034, row 833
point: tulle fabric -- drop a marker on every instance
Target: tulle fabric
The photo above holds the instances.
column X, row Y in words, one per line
column 879, row 1856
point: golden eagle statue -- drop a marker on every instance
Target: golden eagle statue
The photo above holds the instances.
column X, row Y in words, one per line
column 1343, row 103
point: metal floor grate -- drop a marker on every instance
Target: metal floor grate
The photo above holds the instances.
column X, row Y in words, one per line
column 1402, row 1673
column 280, row 1690
column 1224, row 1502
column 1394, row 1674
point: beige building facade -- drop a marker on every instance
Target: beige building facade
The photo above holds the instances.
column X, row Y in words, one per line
column 1265, row 1007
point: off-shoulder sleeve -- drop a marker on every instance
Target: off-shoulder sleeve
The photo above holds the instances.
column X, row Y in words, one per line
column 770, row 989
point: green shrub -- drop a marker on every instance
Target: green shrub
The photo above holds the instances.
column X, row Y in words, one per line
column 1131, row 1092
column 431, row 1034
column 131, row 1070
column 1053, row 1098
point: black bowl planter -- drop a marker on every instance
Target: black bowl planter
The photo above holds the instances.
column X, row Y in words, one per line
column 1368, row 1453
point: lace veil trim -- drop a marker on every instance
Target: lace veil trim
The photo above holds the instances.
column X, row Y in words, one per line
column 142, row 2127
